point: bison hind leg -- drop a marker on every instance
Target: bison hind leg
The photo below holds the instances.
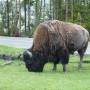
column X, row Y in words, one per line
column 65, row 60
column 81, row 54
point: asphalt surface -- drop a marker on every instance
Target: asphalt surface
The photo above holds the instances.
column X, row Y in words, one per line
column 18, row 42
column 21, row 42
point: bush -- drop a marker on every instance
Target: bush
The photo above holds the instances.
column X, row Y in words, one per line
column 87, row 25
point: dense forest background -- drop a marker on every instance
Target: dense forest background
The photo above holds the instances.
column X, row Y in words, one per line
column 20, row 17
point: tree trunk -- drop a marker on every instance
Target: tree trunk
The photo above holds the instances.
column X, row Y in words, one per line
column 19, row 17
column 25, row 13
column 29, row 11
column 37, row 12
column 8, row 18
column 72, row 9
column 57, row 6
column 66, row 4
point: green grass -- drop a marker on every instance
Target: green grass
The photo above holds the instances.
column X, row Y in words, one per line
column 9, row 50
column 16, row 76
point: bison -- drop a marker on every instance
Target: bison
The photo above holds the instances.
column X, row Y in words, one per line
column 54, row 41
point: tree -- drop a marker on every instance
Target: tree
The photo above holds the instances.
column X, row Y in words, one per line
column 57, row 9
column 29, row 14
column 19, row 16
column 12, row 18
column 8, row 18
column 25, row 13
column 37, row 12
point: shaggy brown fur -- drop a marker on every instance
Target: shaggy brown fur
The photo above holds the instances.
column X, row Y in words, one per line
column 56, row 40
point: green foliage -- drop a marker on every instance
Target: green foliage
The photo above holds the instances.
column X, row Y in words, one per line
column 29, row 33
column 77, row 11
column 9, row 50
column 27, row 2
column 87, row 25
column 1, row 29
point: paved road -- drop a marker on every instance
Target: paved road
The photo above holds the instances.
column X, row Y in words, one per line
column 20, row 42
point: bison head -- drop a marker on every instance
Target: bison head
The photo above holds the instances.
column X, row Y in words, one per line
column 34, row 61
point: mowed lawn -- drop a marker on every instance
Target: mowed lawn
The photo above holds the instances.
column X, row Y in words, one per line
column 16, row 76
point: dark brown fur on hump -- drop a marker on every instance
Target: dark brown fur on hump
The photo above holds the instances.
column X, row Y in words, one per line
column 48, row 37
column 41, row 39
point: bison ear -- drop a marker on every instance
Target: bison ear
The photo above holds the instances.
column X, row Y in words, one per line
column 29, row 53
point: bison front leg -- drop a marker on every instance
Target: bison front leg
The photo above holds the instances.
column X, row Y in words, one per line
column 64, row 67
column 55, row 65
column 65, row 60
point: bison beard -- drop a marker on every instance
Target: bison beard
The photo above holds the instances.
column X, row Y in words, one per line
column 53, row 42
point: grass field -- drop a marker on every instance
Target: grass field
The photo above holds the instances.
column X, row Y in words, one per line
column 16, row 76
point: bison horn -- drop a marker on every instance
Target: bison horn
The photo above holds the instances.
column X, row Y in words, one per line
column 29, row 53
